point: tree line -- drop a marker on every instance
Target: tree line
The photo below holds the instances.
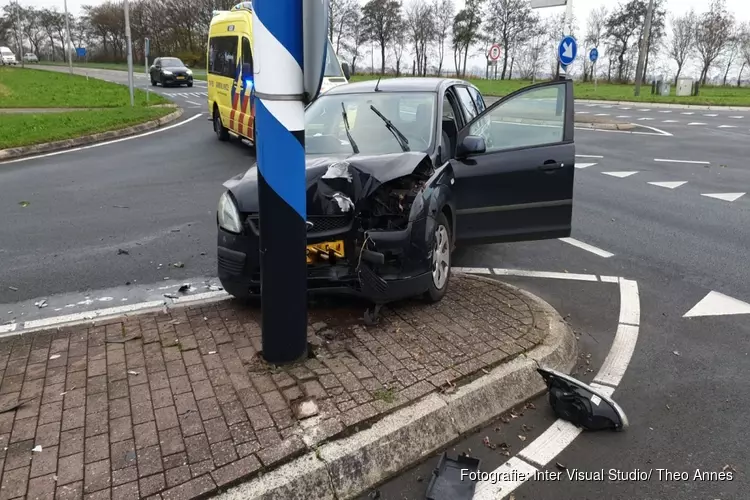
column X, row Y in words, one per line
column 420, row 37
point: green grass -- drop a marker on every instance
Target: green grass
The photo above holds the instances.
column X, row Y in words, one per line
column 198, row 73
column 710, row 96
column 24, row 129
column 33, row 88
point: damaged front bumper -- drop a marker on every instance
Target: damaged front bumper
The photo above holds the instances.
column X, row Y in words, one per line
column 379, row 265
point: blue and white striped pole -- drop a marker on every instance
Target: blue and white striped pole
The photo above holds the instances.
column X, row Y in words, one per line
column 280, row 150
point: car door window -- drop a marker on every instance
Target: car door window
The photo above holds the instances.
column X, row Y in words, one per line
column 247, row 59
column 478, row 99
column 532, row 118
column 467, row 103
column 222, row 56
column 450, row 127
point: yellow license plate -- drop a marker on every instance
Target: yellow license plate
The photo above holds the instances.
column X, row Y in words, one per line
column 320, row 251
column 180, row 77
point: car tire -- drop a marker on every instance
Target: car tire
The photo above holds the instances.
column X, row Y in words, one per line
column 161, row 80
column 441, row 260
column 190, row 84
column 153, row 82
column 221, row 131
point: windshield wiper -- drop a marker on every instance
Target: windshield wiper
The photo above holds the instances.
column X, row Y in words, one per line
column 346, row 126
column 401, row 138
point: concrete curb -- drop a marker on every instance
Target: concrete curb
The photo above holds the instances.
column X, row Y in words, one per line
column 665, row 105
column 50, row 147
column 606, row 126
column 348, row 467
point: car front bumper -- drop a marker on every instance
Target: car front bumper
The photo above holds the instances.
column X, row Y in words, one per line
column 402, row 274
column 175, row 80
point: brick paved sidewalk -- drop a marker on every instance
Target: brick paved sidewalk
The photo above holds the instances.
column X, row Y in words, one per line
column 187, row 406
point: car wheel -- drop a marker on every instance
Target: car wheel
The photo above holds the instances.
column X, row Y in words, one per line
column 221, row 131
column 441, row 260
column 190, row 84
column 161, row 80
column 153, row 82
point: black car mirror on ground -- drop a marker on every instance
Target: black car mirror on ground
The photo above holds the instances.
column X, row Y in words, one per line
column 346, row 70
column 471, row 145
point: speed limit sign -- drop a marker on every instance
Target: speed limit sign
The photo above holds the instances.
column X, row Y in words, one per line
column 494, row 53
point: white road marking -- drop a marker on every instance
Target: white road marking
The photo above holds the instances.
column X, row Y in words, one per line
column 514, row 468
column 646, row 109
column 670, row 121
column 737, row 117
column 666, row 111
column 727, row 126
column 625, row 108
column 688, row 113
column 589, row 156
column 645, row 118
column 602, row 114
column 666, row 160
column 544, row 274
column 546, row 447
column 718, row 304
column 606, row 106
column 630, row 309
column 587, row 247
column 201, row 296
column 106, row 143
column 624, row 116
column 193, row 103
column 585, row 165
column 87, row 315
column 695, row 123
column 583, row 112
column 609, row 279
column 711, row 114
column 616, row 363
column 5, row 329
column 668, row 185
column 724, row 196
column 472, row 270
column 621, row 175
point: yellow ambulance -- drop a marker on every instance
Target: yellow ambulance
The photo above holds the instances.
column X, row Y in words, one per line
column 230, row 73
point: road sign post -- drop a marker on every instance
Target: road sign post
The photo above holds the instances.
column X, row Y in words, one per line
column 130, row 53
column 593, row 56
column 146, row 50
column 69, row 41
column 567, row 51
column 493, row 55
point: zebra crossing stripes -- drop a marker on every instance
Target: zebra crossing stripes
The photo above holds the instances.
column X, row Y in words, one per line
column 188, row 95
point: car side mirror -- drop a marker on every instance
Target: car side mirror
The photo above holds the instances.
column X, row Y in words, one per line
column 471, row 145
column 346, row 70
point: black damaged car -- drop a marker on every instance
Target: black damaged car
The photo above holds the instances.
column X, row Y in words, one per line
column 401, row 171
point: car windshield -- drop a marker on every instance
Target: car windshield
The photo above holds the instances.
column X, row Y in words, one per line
column 171, row 62
column 411, row 113
column 6, row 52
column 333, row 68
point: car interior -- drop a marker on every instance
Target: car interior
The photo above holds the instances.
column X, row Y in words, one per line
column 449, row 131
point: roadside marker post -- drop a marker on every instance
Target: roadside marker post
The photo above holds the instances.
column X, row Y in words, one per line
column 285, row 36
column 146, row 50
column 130, row 53
column 593, row 56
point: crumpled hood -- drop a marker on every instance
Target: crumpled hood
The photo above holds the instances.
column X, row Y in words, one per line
column 359, row 180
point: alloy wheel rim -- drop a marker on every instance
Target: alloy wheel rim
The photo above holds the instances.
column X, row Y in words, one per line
column 441, row 258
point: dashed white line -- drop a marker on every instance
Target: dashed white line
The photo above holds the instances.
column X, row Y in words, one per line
column 645, row 118
column 193, row 103
column 737, row 117
column 647, row 109
column 11, row 327
column 69, row 318
column 696, row 123
column 727, row 126
column 589, row 156
column 666, row 160
column 545, row 274
column 583, row 112
column 625, row 108
column 602, row 114
column 688, row 113
column 516, row 469
column 587, row 247
column 630, row 309
column 670, row 121
column 666, row 111
column 585, row 165
column 711, row 115
column 624, row 116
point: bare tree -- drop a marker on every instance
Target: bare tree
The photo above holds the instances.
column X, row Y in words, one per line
column 683, row 40
column 400, row 42
column 382, row 20
column 444, row 13
column 509, row 22
column 466, row 33
column 359, row 36
column 622, row 26
column 531, row 53
column 711, row 35
column 420, row 25
column 595, row 28
column 340, row 21
column 745, row 49
column 732, row 50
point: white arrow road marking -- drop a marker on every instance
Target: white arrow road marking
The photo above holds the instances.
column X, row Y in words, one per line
column 727, row 126
column 589, row 156
column 696, row 123
column 587, row 247
column 710, row 114
column 725, row 196
column 688, row 113
column 664, row 160
column 621, row 175
column 584, row 165
column 670, row 121
column 645, row 118
column 718, row 304
column 668, row 185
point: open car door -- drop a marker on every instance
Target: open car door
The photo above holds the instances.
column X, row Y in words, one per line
column 514, row 168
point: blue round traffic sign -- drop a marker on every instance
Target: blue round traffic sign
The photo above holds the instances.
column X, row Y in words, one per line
column 594, row 55
column 567, row 50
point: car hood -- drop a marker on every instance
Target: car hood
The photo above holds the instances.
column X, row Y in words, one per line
column 175, row 68
column 355, row 176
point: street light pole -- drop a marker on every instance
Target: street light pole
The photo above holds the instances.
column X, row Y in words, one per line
column 130, row 53
column 69, row 41
column 644, row 48
column 19, row 33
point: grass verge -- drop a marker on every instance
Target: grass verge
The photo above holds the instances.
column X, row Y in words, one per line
column 198, row 74
column 32, row 88
column 709, row 96
column 28, row 129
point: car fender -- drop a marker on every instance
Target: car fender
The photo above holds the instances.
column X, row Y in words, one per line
column 436, row 195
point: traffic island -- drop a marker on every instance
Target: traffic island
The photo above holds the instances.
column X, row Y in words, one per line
column 180, row 404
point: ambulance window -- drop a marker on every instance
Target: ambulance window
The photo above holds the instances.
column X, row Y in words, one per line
column 247, row 58
column 222, row 56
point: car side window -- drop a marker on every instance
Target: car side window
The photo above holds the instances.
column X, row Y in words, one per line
column 222, row 53
column 478, row 99
column 247, row 59
column 467, row 103
column 532, row 118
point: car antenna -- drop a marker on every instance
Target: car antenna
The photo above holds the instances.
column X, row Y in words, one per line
column 378, row 83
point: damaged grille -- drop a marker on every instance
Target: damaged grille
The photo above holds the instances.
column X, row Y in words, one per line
column 321, row 224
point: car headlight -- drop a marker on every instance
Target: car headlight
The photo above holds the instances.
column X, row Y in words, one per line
column 189, row 72
column 229, row 216
column 166, row 72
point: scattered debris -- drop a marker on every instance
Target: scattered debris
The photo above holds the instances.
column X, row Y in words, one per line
column 120, row 251
column 13, row 406
column 37, row 448
column 133, row 372
column 54, row 356
column 175, row 230
column 449, row 479
column 375, row 494
column 305, row 408
column 505, row 419
column 214, row 288
column 178, row 264
column 171, row 296
column 515, row 414
column 185, row 288
column 504, row 449
column 560, row 466
column 448, row 388
column 676, row 353
column 522, row 437
column 728, row 467
column 24, row 204
column 212, row 352
column 12, row 288
column 527, row 428
column 122, row 340
column 127, row 283
column 530, row 406
column 119, row 206
column 41, row 304
column 203, row 253
column 668, row 408
column 488, row 444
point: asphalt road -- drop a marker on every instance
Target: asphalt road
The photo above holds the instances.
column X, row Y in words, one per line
column 684, row 390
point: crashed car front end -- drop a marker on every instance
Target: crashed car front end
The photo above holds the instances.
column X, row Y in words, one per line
column 370, row 226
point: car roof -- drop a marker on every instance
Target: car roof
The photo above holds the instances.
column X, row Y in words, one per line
column 408, row 84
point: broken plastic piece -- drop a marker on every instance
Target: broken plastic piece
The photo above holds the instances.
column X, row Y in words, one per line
column 37, row 448
column 338, row 170
column 371, row 316
column 123, row 340
column 452, row 479
column 581, row 404
column 344, row 202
